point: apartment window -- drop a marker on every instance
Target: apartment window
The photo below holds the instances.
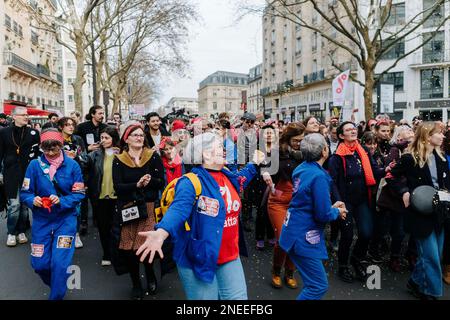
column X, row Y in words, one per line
column 38, row 101
column 298, row 45
column 273, row 36
column 285, row 31
column 396, row 78
column 314, row 66
column 298, row 71
column 69, row 64
column 7, row 21
column 69, row 81
column 396, row 51
column 431, row 83
column 397, row 16
column 433, row 50
column 214, row 105
column 30, row 101
column 15, row 27
column 20, row 31
column 438, row 13
column 314, row 41
column 70, row 98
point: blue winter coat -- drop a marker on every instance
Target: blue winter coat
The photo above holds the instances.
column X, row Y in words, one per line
column 198, row 248
column 37, row 183
column 309, row 211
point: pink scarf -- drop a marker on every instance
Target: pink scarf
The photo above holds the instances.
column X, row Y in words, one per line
column 54, row 164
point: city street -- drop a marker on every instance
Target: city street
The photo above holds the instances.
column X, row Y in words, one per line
column 18, row 281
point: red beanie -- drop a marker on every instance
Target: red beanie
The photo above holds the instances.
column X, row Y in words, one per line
column 52, row 135
column 178, row 124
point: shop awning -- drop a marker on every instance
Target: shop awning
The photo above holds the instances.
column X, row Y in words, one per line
column 8, row 107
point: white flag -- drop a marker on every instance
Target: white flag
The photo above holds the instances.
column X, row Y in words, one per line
column 340, row 84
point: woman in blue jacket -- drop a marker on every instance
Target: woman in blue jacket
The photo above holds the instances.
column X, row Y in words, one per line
column 302, row 234
column 53, row 188
column 207, row 256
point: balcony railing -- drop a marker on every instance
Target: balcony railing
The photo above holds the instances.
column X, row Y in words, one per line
column 419, row 58
column 313, row 77
column 12, row 59
column 8, row 23
column 43, row 70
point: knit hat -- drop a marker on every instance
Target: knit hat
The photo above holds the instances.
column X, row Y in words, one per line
column 178, row 124
column 52, row 134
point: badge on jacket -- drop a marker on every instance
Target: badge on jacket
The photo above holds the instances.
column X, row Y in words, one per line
column 26, row 184
column 313, row 236
column 208, row 206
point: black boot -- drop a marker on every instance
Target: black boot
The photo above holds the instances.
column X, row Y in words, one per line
column 360, row 270
column 152, row 284
column 137, row 293
column 345, row 274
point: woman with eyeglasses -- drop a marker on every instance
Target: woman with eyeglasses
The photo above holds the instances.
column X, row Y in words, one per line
column 353, row 171
column 138, row 176
column 53, row 188
column 98, row 167
column 280, row 198
column 75, row 149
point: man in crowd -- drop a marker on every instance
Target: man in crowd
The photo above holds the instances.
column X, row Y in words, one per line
column 90, row 132
column 19, row 144
column 117, row 117
column 52, row 121
column 153, row 129
column 3, row 122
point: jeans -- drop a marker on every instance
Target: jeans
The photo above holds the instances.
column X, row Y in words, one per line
column 314, row 277
column 17, row 216
column 228, row 283
column 364, row 221
column 427, row 273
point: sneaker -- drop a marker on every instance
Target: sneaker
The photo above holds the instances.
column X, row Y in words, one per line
column 360, row 270
column 260, row 245
column 22, row 238
column 290, row 280
column 78, row 243
column 106, row 263
column 11, row 242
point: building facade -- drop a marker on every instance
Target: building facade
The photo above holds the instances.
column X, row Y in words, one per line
column 68, row 69
column 299, row 65
column 190, row 105
column 222, row 91
column 29, row 74
column 255, row 100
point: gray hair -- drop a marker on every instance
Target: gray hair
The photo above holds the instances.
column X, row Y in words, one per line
column 397, row 132
column 17, row 110
column 312, row 146
column 193, row 153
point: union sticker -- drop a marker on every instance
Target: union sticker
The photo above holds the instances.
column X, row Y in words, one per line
column 64, row 242
column 26, row 184
column 37, row 250
column 208, row 206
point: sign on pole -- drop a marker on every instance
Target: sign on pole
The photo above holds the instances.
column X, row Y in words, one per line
column 339, row 86
column 386, row 96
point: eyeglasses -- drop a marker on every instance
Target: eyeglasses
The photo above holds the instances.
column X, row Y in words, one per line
column 296, row 140
column 54, row 150
column 141, row 136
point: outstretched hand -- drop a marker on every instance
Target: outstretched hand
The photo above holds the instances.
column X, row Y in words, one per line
column 153, row 243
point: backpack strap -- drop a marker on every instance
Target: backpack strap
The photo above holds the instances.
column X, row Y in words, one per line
column 198, row 191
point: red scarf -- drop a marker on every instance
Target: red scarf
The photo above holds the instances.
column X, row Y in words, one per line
column 173, row 170
column 346, row 150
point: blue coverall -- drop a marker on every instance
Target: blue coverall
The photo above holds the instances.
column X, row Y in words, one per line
column 53, row 233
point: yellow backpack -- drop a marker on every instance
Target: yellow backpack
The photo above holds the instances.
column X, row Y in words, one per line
column 169, row 194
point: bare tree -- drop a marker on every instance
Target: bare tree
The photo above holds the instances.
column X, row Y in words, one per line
column 154, row 32
column 74, row 21
column 364, row 30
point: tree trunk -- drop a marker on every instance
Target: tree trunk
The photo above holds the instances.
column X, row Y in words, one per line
column 369, row 73
column 80, row 73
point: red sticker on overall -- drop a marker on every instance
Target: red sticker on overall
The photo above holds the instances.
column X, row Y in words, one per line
column 208, row 206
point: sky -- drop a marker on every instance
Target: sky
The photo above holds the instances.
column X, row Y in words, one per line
column 216, row 42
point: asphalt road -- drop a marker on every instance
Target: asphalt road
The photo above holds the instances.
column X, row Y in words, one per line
column 18, row 280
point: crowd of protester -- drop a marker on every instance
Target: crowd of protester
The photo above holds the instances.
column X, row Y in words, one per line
column 305, row 188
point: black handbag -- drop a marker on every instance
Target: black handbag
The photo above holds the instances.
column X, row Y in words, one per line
column 133, row 210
